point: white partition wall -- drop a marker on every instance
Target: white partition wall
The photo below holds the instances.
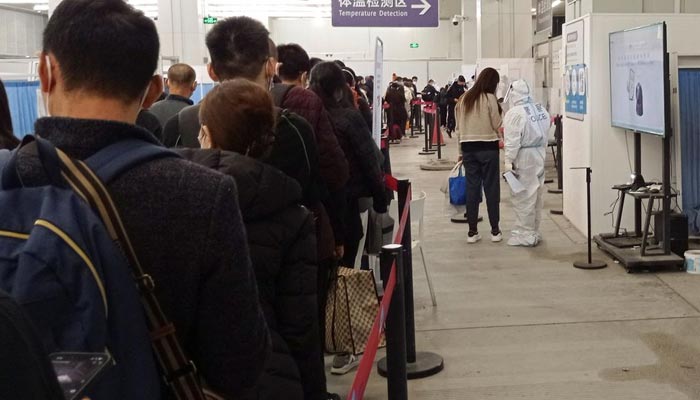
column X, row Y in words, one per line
column 593, row 142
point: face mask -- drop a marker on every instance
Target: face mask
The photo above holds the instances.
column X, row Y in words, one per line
column 145, row 94
column 44, row 110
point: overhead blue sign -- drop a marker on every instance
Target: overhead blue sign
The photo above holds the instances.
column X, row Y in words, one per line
column 386, row 13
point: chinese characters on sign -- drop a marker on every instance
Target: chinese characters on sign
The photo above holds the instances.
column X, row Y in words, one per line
column 387, row 13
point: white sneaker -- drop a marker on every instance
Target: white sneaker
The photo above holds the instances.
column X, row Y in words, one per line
column 473, row 239
column 344, row 363
column 497, row 238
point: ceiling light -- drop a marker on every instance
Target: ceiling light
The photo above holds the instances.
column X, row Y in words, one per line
column 41, row 7
column 533, row 10
column 556, row 3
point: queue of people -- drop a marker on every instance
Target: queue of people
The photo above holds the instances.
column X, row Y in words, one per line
column 240, row 228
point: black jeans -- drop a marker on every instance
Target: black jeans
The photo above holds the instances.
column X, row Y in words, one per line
column 482, row 169
column 451, row 117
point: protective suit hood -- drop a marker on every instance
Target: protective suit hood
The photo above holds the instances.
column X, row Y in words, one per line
column 519, row 93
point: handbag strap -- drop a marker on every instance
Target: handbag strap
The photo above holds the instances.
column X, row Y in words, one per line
column 180, row 373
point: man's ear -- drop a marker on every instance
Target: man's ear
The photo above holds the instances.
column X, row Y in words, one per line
column 155, row 89
column 212, row 73
column 47, row 72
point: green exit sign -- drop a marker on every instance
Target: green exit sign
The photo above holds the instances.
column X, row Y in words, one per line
column 210, row 20
column 414, row 45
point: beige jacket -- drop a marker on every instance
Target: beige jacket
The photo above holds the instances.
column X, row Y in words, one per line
column 481, row 124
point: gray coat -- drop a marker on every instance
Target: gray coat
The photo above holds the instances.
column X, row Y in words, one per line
column 168, row 108
column 186, row 228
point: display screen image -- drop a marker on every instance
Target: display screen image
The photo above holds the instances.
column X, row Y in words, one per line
column 75, row 371
column 638, row 78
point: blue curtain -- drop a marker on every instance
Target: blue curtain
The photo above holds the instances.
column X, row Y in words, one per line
column 202, row 90
column 689, row 87
column 22, row 96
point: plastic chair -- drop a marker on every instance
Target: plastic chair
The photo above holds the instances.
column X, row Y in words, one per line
column 417, row 214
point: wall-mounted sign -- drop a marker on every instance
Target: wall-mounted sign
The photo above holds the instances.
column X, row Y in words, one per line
column 576, row 87
column 544, row 15
column 385, row 13
column 414, row 45
column 210, row 20
column 574, row 43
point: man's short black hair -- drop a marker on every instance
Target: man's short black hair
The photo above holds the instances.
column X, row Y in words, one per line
column 238, row 46
column 415, row 78
column 461, row 79
column 294, row 61
column 104, row 47
column 182, row 74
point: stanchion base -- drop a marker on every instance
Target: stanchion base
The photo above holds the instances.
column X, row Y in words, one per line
column 548, row 181
column 425, row 152
column 438, row 165
column 555, row 191
column 556, row 212
column 595, row 264
column 462, row 219
column 427, row 364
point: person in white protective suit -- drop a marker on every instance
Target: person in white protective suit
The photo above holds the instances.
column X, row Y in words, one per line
column 526, row 126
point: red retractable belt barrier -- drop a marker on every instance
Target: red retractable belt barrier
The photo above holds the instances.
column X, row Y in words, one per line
column 357, row 391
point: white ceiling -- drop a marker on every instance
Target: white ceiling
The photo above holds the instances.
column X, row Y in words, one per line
column 226, row 8
column 219, row 8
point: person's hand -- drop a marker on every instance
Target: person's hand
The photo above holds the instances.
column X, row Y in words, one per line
column 459, row 159
column 509, row 166
column 339, row 252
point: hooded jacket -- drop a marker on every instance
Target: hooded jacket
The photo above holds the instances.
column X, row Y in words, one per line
column 282, row 250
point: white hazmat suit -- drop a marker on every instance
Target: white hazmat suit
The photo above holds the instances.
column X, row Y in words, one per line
column 526, row 126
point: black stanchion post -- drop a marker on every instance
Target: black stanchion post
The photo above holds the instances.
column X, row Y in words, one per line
column 404, row 193
column 558, row 136
column 439, row 141
column 420, row 364
column 428, row 122
column 395, row 360
column 591, row 264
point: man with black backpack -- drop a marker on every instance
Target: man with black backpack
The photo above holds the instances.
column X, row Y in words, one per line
column 176, row 223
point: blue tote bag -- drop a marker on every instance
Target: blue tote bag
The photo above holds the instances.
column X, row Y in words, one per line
column 458, row 187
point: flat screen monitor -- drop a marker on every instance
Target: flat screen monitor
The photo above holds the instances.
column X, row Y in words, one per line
column 638, row 79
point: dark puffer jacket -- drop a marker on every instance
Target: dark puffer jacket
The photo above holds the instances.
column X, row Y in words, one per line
column 362, row 153
column 332, row 165
column 282, row 249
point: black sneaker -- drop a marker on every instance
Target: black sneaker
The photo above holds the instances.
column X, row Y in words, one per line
column 333, row 396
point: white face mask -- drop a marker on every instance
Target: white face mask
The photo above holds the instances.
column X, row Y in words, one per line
column 145, row 94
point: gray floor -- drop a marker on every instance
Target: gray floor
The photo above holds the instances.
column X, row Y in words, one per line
column 517, row 323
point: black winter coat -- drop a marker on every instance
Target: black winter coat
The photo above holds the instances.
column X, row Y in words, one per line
column 26, row 372
column 282, row 249
column 364, row 158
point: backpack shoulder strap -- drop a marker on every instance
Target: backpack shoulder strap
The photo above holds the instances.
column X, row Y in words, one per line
column 118, row 158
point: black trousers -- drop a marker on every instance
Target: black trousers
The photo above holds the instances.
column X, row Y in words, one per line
column 482, row 169
column 451, row 118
